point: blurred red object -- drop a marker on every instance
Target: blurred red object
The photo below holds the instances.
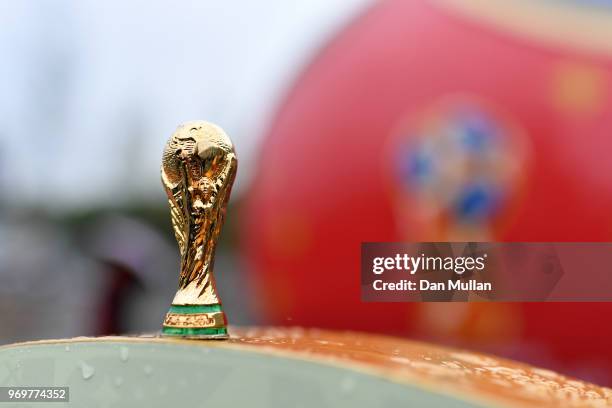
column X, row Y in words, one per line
column 445, row 80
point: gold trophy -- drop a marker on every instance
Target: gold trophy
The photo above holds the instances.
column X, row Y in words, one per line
column 198, row 170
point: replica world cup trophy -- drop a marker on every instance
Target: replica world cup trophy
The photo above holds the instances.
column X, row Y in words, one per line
column 198, row 169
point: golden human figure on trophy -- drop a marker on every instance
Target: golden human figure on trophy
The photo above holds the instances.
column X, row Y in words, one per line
column 198, row 170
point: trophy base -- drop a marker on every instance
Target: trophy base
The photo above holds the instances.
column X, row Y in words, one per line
column 195, row 333
column 204, row 322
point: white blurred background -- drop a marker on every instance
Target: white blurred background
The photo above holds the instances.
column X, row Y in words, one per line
column 92, row 89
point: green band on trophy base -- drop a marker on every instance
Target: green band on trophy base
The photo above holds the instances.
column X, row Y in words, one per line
column 219, row 332
column 196, row 321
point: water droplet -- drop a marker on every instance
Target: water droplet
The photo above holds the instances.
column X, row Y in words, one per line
column 148, row 370
column 402, row 360
column 118, row 381
column 67, row 348
column 87, row 371
column 124, row 353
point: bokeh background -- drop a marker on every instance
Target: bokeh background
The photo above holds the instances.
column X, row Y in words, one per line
column 354, row 121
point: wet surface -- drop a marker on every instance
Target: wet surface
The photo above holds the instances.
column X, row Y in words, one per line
column 464, row 372
column 459, row 375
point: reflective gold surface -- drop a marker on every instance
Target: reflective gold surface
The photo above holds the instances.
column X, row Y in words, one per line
column 216, row 319
column 198, row 170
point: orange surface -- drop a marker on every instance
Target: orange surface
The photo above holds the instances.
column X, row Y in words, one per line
column 471, row 375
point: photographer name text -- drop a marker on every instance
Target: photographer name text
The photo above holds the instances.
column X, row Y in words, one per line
column 432, row 264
